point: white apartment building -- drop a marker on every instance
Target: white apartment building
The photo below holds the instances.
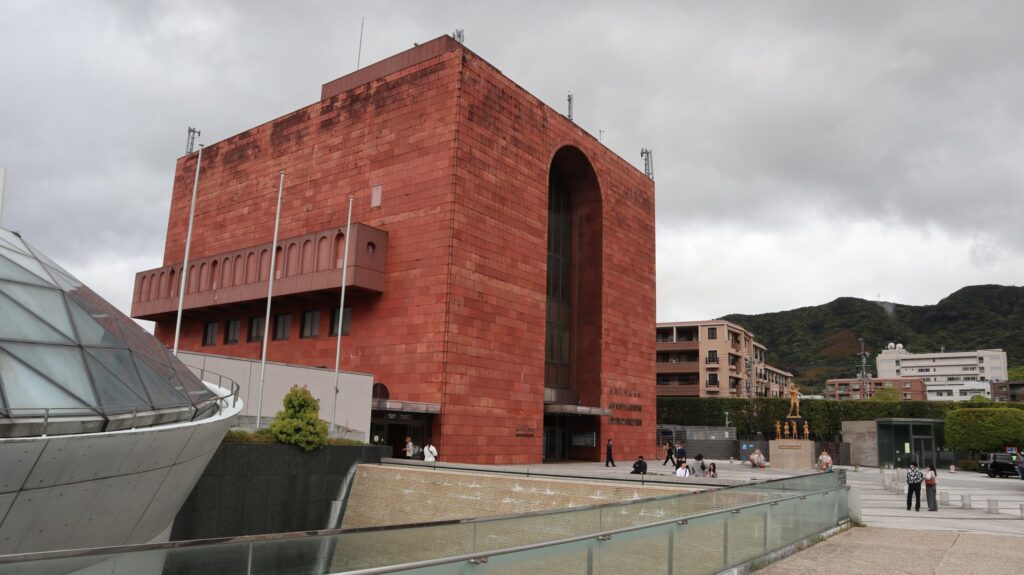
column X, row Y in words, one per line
column 948, row 376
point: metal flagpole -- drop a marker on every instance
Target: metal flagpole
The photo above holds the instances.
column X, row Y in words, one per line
column 270, row 293
column 341, row 315
column 188, row 246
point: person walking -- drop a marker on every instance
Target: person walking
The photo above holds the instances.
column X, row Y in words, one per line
column 670, row 454
column 1020, row 467
column 608, row 459
column 931, row 482
column 914, row 479
column 409, row 448
column 429, row 452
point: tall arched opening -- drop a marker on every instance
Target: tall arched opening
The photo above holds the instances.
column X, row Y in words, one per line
column 572, row 352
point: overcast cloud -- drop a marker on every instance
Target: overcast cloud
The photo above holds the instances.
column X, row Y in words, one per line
column 802, row 152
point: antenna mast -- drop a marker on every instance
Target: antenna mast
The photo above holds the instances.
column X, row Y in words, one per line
column 459, row 35
column 191, row 143
column 648, row 155
column 569, row 99
column 359, row 54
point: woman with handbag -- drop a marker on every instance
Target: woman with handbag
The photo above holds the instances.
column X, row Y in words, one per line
column 931, row 482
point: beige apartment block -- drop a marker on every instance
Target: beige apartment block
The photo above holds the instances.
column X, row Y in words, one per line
column 714, row 359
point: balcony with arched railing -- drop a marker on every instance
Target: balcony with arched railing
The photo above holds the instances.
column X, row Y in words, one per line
column 311, row 262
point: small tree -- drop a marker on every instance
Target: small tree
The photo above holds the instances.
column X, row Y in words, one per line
column 299, row 423
column 984, row 428
column 886, row 393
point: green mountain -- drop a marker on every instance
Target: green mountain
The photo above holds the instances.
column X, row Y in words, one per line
column 820, row 342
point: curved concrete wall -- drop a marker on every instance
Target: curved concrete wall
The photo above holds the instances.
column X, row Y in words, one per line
column 101, row 489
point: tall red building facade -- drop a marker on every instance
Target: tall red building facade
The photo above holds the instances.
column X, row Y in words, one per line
column 501, row 280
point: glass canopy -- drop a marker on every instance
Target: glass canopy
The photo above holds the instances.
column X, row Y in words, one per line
column 66, row 352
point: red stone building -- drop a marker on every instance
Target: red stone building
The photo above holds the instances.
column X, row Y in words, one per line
column 907, row 388
column 501, row 261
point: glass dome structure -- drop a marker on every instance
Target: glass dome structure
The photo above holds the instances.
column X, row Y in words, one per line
column 72, row 363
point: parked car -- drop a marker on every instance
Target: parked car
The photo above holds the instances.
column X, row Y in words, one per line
column 994, row 464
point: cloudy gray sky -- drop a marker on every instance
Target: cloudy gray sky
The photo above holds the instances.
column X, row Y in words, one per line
column 802, row 151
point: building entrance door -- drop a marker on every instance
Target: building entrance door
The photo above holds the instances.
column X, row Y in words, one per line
column 924, row 450
column 556, row 438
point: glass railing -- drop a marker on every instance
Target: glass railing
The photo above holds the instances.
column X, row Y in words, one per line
column 702, row 532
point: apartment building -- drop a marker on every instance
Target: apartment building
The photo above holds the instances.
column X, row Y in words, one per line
column 714, row 359
column 907, row 388
column 948, row 376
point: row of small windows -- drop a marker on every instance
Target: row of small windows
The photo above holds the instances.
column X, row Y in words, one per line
column 281, row 324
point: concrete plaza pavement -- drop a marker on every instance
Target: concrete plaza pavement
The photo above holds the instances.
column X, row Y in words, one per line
column 876, row 550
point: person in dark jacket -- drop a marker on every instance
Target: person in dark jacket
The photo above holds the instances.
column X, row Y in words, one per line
column 608, row 459
column 670, row 454
column 639, row 466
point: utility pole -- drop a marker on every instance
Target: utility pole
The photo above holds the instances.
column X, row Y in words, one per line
column 864, row 379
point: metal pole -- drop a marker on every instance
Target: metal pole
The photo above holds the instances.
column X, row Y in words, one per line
column 188, row 246
column 359, row 55
column 341, row 315
column 270, row 294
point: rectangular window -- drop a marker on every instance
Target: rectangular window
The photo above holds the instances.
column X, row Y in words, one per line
column 712, row 333
column 257, row 326
column 210, row 333
column 310, row 324
column 346, row 324
column 282, row 326
column 232, row 330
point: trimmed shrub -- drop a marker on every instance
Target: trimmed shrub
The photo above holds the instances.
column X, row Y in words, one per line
column 299, row 422
column 977, row 429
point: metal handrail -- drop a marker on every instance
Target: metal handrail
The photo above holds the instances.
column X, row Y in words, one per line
column 297, row 535
column 601, row 536
column 78, row 413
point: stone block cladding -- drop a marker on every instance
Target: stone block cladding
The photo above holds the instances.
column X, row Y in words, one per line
column 384, row 495
column 461, row 157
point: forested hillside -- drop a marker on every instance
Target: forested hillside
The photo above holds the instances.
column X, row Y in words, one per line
column 820, row 342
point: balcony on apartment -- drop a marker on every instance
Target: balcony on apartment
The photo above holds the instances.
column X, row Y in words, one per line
column 677, row 362
column 307, row 263
column 677, row 339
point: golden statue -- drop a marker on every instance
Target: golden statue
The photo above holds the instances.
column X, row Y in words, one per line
column 794, row 402
column 793, row 433
column 807, row 430
column 778, row 430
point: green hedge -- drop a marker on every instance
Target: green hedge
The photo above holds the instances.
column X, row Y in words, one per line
column 825, row 417
column 984, row 429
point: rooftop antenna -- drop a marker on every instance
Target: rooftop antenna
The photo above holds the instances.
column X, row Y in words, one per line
column 191, row 143
column 460, row 36
column 648, row 155
column 569, row 98
column 359, row 54
column 600, row 135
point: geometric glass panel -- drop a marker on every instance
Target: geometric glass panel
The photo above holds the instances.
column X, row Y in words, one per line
column 46, row 303
column 13, row 240
column 112, row 391
column 17, row 323
column 60, row 364
column 12, row 271
column 160, row 392
column 4, row 243
column 90, row 332
column 27, row 389
column 28, row 263
column 100, row 311
column 119, row 363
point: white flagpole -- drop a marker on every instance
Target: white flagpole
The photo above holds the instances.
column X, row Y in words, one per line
column 270, row 293
column 341, row 315
column 188, row 246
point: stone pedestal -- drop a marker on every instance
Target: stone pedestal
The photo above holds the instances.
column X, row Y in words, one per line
column 791, row 454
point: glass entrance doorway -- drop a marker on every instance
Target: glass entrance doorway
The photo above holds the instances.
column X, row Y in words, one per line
column 556, row 437
column 390, row 428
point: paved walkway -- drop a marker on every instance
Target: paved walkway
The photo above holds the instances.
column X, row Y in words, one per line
column 876, row 550
column 883, row 508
